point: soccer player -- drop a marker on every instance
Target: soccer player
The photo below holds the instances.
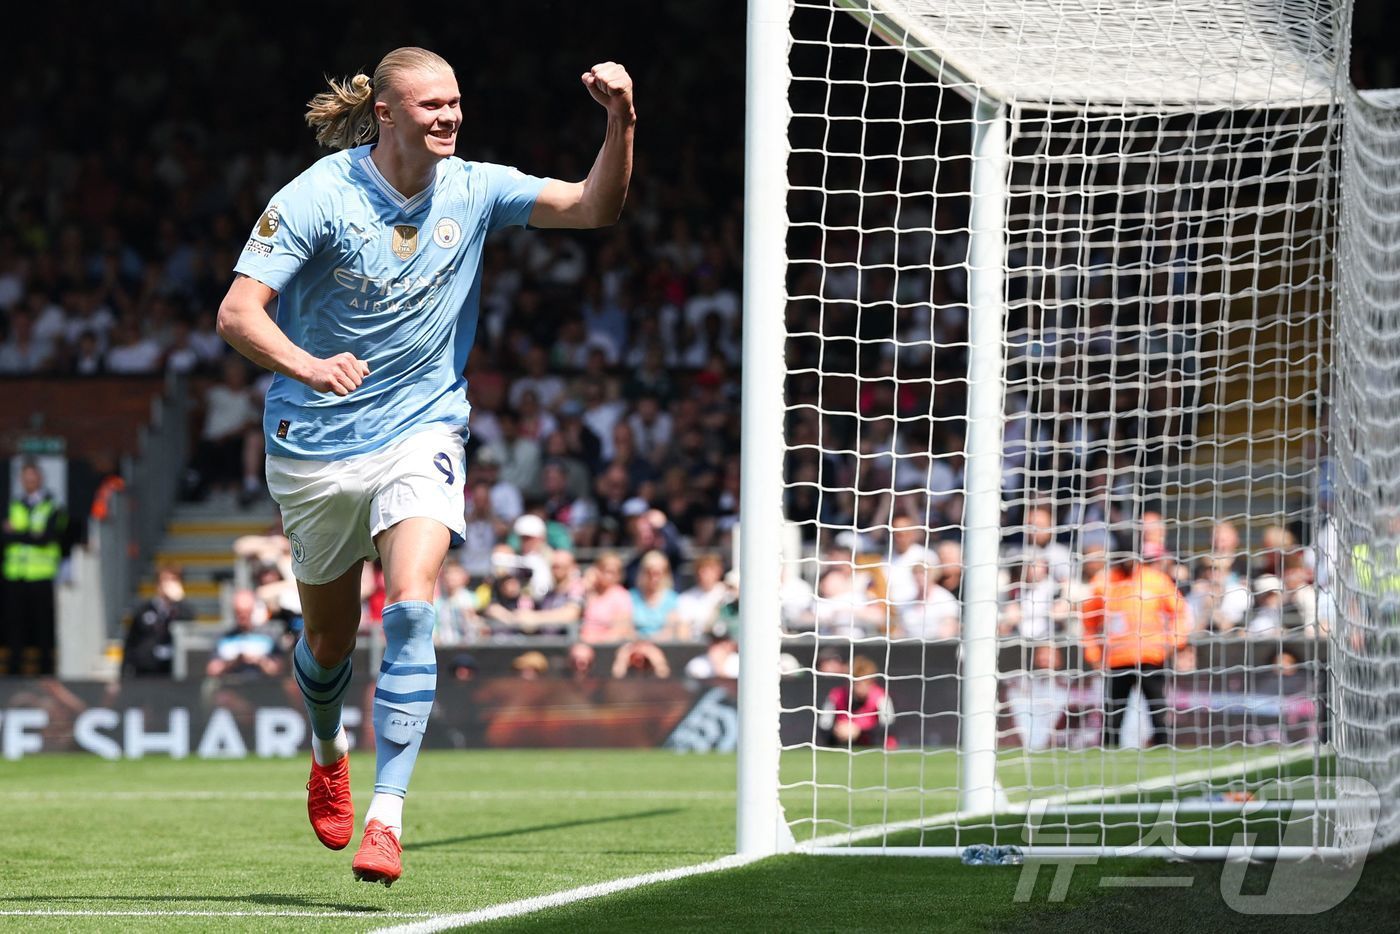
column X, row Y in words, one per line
column 373, row 257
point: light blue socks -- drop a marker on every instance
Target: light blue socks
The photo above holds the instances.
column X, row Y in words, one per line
column 323, row 689
column 403, row 698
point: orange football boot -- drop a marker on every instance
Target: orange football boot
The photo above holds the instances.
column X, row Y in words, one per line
column 328, row 803
column 378, row 859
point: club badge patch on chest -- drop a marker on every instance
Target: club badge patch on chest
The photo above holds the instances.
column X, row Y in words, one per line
column 405, row 241
column 447, row 233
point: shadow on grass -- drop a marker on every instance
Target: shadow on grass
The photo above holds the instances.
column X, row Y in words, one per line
column 541, row 828
column 257, row 898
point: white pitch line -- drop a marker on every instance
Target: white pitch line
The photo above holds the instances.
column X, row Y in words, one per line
column 62, row 913
column 527, row 906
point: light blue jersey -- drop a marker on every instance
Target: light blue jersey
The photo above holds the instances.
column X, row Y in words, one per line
column 396, row 281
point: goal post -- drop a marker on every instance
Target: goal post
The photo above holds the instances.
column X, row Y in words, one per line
column 1034, row 288
column 761, row 829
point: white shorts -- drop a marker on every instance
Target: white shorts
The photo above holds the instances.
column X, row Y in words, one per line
column 332, row 510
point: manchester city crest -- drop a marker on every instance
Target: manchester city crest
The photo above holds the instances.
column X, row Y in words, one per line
column 447, row 233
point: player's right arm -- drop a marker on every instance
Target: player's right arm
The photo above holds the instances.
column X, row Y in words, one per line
column 244, row 322
column 294, row 228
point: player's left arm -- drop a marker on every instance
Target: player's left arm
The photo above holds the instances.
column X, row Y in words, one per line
column 597, row 200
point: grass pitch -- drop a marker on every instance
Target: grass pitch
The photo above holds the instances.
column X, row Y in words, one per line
column 160, row 845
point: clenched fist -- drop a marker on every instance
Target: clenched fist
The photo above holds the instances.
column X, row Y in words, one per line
column 340, row 374
column 611, row 86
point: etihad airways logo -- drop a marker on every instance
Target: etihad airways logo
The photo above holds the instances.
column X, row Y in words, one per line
column 381, row 293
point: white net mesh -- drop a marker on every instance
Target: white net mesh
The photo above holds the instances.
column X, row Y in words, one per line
column 1163, row 318
column 1362, row 521
column 1153, row 55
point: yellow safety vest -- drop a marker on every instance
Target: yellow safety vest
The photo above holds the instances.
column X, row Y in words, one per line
column 1369, row 574
column 26, row 562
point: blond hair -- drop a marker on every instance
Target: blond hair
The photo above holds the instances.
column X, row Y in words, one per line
column 343, row 116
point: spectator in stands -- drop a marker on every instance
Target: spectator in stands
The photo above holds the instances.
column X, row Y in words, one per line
column 1225, row 544
column 578, row 442
column 484, row 527
column 510, row 593
column 560, row 505
column 1035, row 608
column 507, row 503
column 260, row 551
column 86, row 358
column 607, row 606
column 698, row 608
column 1040, row 542
column 559, row 611
column 625, row 455
column 132, row 353
column 799, row 599
column 651, row 428
column 546, row 385
column 464, row 667
column 907, row 559
column 649, row 374
column 37, row 538
column 1303, row 597
column 612, row 500
column 859, row 712
column 229, row 454
column 1278, row 551
column 649, row 530
column 654, row 600
column 457, row 620
column 248, row 649
column 581, row 659
column 1266, row 618
column 845, row 607
column 721, row 657
column 534, row 553
column 181, row 355
column 23, row 353
column 277, row 593
column 950, row 567
column 531, row 665
column 517, row 455
column 536, row 423
column 640, row 658
column 601, row 414
column 934, row 612
column 1091, row 563
column 149, row 648
column 1218, row 598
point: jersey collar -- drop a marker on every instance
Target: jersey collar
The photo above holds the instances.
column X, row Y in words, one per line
column 406, row 205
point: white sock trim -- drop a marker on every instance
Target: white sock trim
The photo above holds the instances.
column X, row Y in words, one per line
column 330, row 750
column 388, row 810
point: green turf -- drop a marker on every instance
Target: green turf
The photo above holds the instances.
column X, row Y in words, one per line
column 481, row 828
column 805, row 895
column 83, row 835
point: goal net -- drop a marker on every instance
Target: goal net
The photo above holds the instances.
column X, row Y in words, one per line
column 1069, row 503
